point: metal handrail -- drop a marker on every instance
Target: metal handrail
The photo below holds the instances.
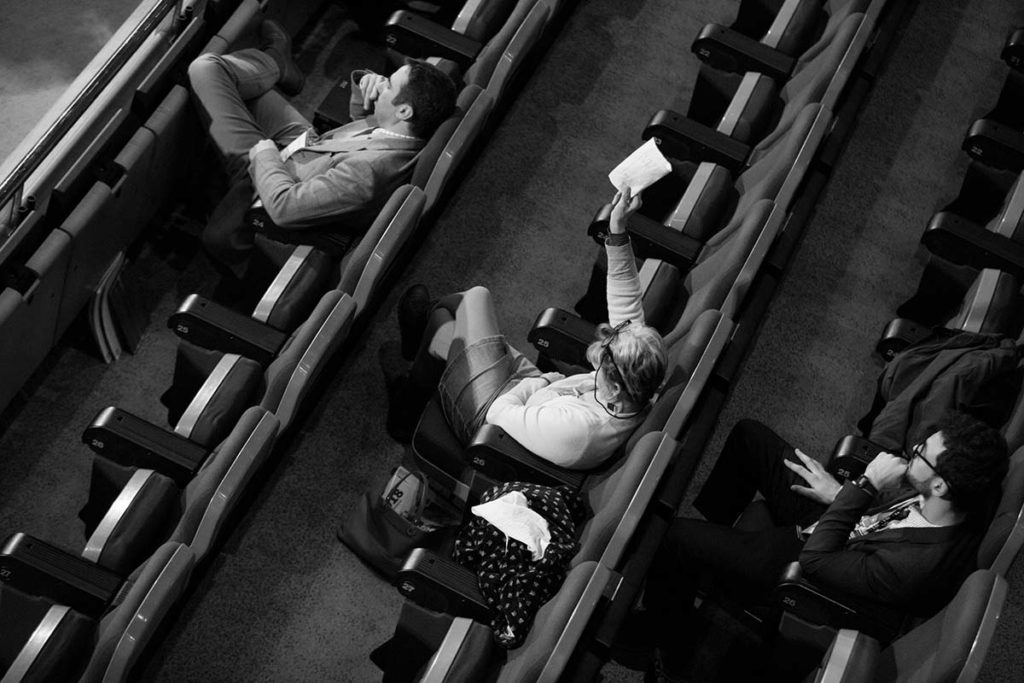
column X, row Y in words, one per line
column 11, row 186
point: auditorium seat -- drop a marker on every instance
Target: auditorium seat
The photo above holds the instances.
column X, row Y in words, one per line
column 243, row 21
column 709, row 251
column 30, row 313
column 211, row 389
column 493, row 455
column 616, row 500
column 132, row 509
column 467, row 653
column 997, row 244
column 619, row 501
column 757, row 105
column 293, row 362
column 76, row 621
column 697, row 198
column 488, row 63
column 997, row 138
column 951, row 646
column 301, row 274
column 811, row 614
column 991, row 305
column 607, row 492
column 796, row 26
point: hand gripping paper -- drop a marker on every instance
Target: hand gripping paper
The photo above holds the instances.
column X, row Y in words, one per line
column 641, row 168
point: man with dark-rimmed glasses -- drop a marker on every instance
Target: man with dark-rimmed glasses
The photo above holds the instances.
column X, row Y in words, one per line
column 910, row 552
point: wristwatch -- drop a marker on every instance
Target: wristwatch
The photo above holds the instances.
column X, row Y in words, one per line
column 617, row 239
column 863, row 483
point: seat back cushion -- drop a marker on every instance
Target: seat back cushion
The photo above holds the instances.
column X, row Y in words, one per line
column 1007, row 515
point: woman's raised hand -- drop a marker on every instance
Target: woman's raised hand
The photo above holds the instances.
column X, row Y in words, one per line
column 623, row 206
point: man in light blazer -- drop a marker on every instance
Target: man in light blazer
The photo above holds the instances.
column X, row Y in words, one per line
column 323, row 190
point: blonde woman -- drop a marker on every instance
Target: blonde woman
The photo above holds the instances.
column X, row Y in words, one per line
column 574, row 421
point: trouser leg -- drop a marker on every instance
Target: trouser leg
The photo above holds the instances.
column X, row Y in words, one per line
column 751, row 462
column 747, row 563
column 235, row 96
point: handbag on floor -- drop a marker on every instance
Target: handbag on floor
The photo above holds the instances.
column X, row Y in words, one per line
column 384, row 527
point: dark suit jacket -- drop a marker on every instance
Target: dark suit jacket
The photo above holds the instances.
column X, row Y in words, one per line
column 914, row 569
column 975, row 373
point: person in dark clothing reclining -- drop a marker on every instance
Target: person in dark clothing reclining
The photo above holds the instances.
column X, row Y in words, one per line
column 909, row 551
column 305, row 181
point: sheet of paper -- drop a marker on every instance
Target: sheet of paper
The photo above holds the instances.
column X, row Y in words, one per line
column 641, row 168
column 294, row 146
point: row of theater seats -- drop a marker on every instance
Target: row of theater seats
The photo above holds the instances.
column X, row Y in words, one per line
column 975, row 297
column 160, row 499
column 713, row 237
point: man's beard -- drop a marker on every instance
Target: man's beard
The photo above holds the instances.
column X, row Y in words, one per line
column 919, row 485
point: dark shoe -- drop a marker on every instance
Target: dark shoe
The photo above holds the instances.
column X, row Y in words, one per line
column 413, row 313
column 277, row 43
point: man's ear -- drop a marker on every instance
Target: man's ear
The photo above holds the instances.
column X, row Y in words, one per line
column 939, row 486
column 404, row 112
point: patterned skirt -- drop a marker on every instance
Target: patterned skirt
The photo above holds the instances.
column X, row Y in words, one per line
column 475, row 377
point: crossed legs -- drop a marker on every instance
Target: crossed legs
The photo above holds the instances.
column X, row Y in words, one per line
column 240, row 107
column 236, row 97
column 751, row 463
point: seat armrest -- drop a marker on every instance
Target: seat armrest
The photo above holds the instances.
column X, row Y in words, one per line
column 682, row 138
column 562, row 336
column 497, row 455
column 463, row 655
column 38, row 568
column 129, row 440
column 899, row 334
column 803, row 601
column 729, row 50
column 851, row 455
column 852, row 656
column 960, row 241
column 995, row 144
column 1013, row 50
column 210, row 325
column 441, row 584
column 417, row 36
column 802, row 598
column 650, row 239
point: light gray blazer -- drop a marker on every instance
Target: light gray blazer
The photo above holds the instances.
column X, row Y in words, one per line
column 344, row 177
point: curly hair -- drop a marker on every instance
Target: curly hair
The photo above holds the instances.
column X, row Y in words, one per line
column 974, row 462
column 431, row 92
column 636, row 350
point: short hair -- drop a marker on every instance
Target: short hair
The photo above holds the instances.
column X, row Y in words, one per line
column 431, row 92
column 638, row 351
column 974, row 462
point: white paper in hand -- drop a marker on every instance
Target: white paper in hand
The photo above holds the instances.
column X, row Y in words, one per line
column 641, row 168
column 294, row 146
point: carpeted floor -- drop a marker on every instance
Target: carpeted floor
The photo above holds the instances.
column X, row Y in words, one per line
column 284, row 601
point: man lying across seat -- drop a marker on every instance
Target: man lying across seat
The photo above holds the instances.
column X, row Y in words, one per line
column 912, row 554
column 321, row 190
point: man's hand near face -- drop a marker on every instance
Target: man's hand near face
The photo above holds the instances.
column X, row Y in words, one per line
column 370, row 85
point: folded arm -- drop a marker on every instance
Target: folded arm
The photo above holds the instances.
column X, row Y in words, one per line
column 553, row 432
column 293, row 203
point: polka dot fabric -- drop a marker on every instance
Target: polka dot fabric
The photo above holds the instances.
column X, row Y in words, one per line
column 513, row 584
